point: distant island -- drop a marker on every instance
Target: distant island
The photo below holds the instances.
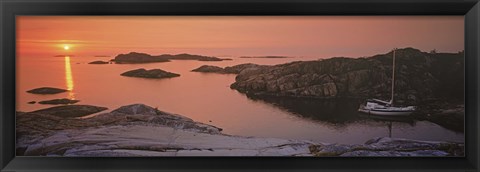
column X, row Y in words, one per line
column 267, row 57
column 135, row 57
column 227, row 70
column 63, row 55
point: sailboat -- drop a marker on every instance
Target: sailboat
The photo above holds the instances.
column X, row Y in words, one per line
column 386, row 108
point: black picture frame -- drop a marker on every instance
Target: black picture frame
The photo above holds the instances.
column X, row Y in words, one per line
column 11, row 8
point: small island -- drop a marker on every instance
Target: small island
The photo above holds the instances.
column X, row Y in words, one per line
column 209, row 69
column 46, row 90
column 153, row 73
column 98, row 62
column 70, row 111
column 63, row 101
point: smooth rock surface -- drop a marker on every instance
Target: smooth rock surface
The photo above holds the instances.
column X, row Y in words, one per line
column 140, row 130
column 385, row 146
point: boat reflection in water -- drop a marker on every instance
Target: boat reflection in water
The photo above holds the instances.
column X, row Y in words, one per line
column 389, row 120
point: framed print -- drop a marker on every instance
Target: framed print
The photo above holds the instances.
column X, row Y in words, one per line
column 239, row 85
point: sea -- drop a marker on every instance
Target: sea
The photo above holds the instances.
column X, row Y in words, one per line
column 208, row 98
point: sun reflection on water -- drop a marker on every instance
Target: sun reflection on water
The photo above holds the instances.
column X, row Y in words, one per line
column 69, row 77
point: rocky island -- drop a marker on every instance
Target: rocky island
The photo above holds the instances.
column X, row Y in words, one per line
column 135, row 57
column 209, row 69
column 70, row 111
column 140, row 130
column 46, row 90
column 420, row 76
column 63, row 101
column 153, row 73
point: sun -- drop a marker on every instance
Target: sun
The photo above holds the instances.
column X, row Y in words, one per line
column 66, row 47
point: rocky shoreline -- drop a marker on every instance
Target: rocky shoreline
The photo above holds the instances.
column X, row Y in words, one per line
column 423, row 80
column 140, row 130
column 450, row 115
column 420, row 76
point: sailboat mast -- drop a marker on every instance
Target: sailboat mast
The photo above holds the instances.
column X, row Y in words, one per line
column 393, row 76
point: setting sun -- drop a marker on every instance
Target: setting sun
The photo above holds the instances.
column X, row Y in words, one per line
column 66, row 47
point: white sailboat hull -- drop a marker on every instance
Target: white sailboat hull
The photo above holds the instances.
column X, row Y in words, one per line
column 383, row 112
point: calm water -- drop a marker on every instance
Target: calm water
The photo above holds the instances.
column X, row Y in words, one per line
column 208, row 97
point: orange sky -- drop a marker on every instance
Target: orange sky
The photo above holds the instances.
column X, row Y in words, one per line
column 313, row 36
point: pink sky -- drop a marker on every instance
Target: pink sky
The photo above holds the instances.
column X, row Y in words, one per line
column 312, row 36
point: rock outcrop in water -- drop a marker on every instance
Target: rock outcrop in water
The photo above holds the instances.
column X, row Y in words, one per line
column 98, row 62
column 70, row 111
column 63, row 101
column 227, row 70
column 140, row 130
column 445, row 114
column 46, row 90
column 134, row 57
column 420, row 76
column 153, row 73
column 209, row 69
